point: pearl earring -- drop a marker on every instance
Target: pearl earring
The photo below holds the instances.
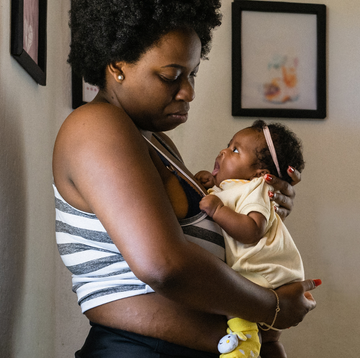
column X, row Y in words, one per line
column 120, row 77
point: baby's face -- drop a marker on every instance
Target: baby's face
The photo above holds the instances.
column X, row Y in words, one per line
column 238, row 160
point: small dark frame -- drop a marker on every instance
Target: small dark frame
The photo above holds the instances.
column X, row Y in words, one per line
column 82, row 92
column 76, row 90
column 319, row 85
column 37, row 70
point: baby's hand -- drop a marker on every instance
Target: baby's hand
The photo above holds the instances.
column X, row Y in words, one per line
column 210, row 203
column 205, row 178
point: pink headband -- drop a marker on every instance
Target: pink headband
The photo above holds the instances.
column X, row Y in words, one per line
column 271, row 147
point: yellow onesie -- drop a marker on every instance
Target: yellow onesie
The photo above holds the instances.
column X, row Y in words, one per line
column 271, row 262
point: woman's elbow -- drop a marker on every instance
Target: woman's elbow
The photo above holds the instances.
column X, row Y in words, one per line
column 162, row 276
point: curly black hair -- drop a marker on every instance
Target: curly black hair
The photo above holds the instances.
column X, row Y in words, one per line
column 107, row 31
column 288, row 150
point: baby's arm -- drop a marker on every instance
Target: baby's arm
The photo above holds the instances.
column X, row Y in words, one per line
column 247, row 229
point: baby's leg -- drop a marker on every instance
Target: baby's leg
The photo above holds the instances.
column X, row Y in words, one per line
column 271, row 347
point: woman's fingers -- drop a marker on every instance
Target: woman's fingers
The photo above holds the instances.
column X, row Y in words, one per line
column 310, row 285
column 280, row 185
column 285, row 204
column 295, row 302
column 294, row 175
column 284, row 192
column 283, row 195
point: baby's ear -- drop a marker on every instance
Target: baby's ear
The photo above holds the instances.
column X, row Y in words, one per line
column 261, row 172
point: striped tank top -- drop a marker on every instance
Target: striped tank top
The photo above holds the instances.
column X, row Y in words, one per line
column 99, row 272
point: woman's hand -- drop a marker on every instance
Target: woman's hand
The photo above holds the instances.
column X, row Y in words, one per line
column 295, row 302
column 284, row 193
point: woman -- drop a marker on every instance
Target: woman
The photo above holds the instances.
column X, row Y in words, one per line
column 121, row 191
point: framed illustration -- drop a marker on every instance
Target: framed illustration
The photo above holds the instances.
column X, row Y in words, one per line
column 278, row 59
column 28, row 36
column 82, row 92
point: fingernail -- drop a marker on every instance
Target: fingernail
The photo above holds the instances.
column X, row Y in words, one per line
column 291, row 169
column 317, row 282
column 271, row 194
column 268, row 177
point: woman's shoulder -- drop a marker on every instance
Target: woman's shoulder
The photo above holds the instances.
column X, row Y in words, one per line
column 98, row 112
column 95, row 139
column 97, row 132
column 95, row 120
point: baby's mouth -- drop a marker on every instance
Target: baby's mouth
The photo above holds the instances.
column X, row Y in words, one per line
column 216, row 168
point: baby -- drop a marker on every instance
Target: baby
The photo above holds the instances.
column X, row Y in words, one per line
column 258, row 245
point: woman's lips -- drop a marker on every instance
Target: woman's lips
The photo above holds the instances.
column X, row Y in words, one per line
column 180, row 116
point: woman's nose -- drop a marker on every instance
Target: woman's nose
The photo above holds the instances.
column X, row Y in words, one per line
column 186, row 91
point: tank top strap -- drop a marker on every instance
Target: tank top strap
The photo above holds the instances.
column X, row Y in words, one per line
column 199, row 229
column 172, row 158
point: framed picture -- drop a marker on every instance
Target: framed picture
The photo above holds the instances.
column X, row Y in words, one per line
column 278, row 59
column 82, row 92
column 28, row 36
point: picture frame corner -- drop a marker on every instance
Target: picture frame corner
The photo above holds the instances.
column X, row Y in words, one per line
column 270, row 8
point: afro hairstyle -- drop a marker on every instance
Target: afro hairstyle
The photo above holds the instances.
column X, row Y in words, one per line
column 108, row 31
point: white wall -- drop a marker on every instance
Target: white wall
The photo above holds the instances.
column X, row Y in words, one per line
column 29, row 118
column 39, row 313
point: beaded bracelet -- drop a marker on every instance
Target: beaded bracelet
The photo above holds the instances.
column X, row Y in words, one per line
column 277, row 310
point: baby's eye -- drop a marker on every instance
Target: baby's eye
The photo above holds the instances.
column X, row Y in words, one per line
column 235, row 150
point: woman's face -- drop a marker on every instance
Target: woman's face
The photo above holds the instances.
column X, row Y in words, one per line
column 156, row 90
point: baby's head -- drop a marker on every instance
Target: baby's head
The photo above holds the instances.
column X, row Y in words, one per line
column 288, row 149
column 248, row 155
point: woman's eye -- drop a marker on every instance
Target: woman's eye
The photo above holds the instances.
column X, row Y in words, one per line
column 235, row 150
column 193, row 74
column 169, row 79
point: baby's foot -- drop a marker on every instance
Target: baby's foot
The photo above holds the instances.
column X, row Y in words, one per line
column 242, row 340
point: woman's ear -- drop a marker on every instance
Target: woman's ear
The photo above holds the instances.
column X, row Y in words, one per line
column 115, row 70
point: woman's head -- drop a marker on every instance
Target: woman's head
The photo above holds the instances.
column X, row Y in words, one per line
column 109, row 31
column 287, row 146
column 156, row 91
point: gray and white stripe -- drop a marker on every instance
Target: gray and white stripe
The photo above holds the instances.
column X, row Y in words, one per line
column 99, row 272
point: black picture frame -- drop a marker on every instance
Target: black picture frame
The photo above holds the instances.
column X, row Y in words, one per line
column 273, row 97
column 34, row 61
column 76, row 90
column 82, row 92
